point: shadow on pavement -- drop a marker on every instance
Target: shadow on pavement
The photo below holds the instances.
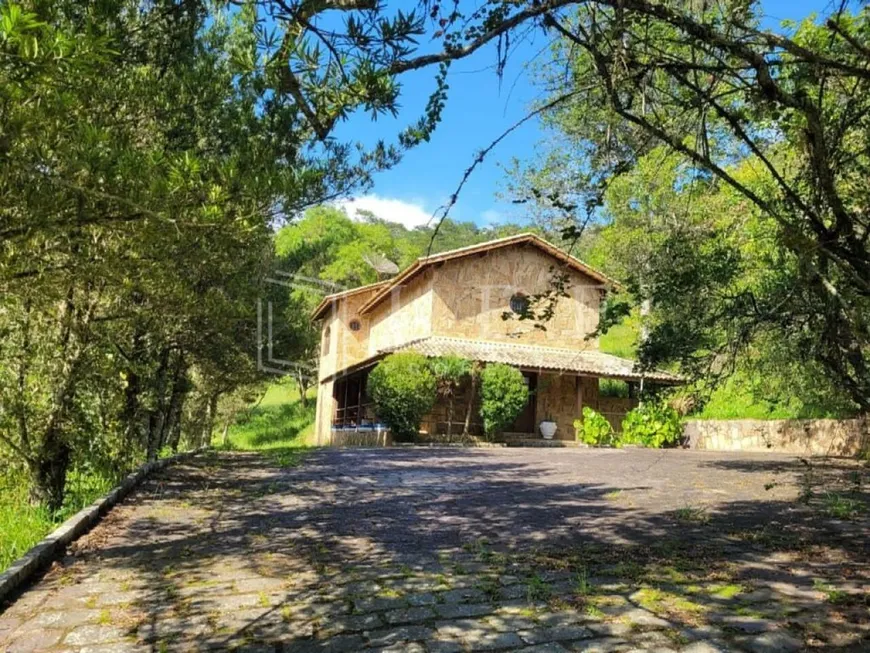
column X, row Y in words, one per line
column 459, row 549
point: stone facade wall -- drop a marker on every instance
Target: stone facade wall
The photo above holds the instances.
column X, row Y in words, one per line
column 466, row 298
column 435, row 423
column 345, row 347
column 558, row 398
column 472, row 293
column 614, row 409
column 324, row 414
column 403, row 316
column 361, row 439
column 818, row 437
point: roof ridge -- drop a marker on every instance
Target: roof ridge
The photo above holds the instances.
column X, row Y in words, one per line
column 525, row 237
column 496, row 241
column 327, row 299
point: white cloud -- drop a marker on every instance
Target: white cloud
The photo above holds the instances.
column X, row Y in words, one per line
column 411, row 214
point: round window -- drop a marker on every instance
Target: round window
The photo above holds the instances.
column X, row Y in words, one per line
column 519, row 303
column 355, row 325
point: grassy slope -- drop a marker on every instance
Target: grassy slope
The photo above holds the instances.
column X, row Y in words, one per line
column 621, row 340
column 735, row 400
column 279, row 425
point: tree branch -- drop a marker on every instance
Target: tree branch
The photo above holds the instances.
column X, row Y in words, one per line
column 478, row 159
column 462, row 52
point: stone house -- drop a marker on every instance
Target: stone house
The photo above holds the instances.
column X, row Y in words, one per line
column 454, row 303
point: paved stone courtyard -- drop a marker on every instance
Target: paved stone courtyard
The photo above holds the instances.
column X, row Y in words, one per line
column 467, row 549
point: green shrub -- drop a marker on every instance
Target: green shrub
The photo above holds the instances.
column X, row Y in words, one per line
column 503, row 395
column 612, row 388
column 593, row 429
column 403, row 389
column 651, row 425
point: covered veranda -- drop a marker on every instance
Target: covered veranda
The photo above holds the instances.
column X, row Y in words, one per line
column 561, row 382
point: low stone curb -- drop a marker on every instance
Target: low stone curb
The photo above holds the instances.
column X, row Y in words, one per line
column 572, row 444
column 43, row 553
column 448, row 445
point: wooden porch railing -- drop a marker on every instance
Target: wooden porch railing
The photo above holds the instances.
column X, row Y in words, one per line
column 356, row 417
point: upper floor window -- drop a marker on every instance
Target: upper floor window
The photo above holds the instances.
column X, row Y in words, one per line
column 519, row 303
column 326, row 334
column 355, row 325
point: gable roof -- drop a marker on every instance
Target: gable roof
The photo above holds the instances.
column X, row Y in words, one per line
column 327, row 301
column 520, row 239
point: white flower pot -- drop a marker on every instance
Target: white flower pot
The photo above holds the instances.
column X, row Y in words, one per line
column 548, row 429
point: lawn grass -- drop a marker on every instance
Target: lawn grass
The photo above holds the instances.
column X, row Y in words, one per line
column 279, row 421
column 22, row 525
column 621, row 339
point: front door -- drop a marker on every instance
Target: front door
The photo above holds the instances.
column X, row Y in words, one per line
column 525, row 421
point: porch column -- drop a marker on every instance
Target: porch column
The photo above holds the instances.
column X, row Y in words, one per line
column 324, row 413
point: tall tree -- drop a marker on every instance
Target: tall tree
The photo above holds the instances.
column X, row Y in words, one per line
column 708, row 83
column 144, row 153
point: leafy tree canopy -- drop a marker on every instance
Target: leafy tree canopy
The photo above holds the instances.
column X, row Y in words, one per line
column 766, row 126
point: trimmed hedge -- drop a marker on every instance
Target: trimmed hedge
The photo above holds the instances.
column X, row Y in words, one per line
column 403, row 388
column 503, row 395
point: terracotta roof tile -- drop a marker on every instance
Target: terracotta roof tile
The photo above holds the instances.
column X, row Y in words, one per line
column 590, row 362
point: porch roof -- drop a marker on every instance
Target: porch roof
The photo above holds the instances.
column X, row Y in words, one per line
column 592, row 363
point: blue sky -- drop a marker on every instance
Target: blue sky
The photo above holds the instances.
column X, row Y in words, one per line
column 479, row 108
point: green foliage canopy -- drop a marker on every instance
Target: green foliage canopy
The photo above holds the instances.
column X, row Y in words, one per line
column 503, row 395
column 772, row 122
column 403, row 388
column 145, row 152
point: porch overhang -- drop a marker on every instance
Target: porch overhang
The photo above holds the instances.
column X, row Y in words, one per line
column 526, row 357
column 537, row 358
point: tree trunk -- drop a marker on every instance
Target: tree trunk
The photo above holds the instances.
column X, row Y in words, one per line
column 130, row 414
column 21, row 398
column 302, row 382
column 156, row 416
column 130, row 417
column 48, row 472
column 645, row 310
column 475, row 377
column 51, row 460
column 175, row 431
column 450, row 416
column 173, row 408
column 210, row 414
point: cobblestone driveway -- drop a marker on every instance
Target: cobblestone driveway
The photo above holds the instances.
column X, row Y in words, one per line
column 462, row 549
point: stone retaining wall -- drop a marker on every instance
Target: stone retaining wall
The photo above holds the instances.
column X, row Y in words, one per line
column 817, row 437
column 339, row 438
